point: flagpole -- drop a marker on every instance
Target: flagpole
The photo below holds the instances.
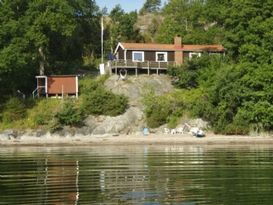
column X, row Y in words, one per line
column 102, row 39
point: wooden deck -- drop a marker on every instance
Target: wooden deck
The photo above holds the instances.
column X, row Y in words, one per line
column 146, row 65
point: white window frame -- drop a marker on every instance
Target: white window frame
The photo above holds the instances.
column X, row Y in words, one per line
column 165, row 56
column 194, row 54
column 141, row 52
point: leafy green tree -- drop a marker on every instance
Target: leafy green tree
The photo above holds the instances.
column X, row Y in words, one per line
column 189, row 19
column 248, row 29
column 41, row 37
column 150, row 6
column 121, row 27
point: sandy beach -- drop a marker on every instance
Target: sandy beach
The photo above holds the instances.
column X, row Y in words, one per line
column 136, row 139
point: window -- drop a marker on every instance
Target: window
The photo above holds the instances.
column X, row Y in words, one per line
column 138, row 56
column 161, row 56
column 194, row 55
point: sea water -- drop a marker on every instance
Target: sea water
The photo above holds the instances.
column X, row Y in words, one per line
column 185, row 175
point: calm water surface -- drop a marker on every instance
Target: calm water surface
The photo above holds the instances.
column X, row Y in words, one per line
column 185, row 175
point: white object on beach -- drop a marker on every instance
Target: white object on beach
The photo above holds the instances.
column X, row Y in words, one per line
column 173, row 131
column 180, row 130
column 200, row 133
column 195, row 131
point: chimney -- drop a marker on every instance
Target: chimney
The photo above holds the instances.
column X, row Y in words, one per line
column 178, row 41
column 178, row 54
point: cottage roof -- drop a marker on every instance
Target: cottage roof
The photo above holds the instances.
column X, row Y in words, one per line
column 170, row 47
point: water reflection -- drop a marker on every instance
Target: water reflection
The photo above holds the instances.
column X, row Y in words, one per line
column 136, row 175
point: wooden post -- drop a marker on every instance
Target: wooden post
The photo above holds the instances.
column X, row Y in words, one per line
column 136, row 72
column 148, row 67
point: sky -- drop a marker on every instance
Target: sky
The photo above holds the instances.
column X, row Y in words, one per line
column 126, row 5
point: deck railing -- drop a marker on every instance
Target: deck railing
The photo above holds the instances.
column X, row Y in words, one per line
column 143, row 65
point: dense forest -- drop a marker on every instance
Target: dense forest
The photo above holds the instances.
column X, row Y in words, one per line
column 234, row 93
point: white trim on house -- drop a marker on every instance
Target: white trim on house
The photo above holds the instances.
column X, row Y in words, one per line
column 77, row 86
column 191, row 54
column 46, row 84
column 165, row 56
column 119, row 45
column 125, row 54
column 142, row 54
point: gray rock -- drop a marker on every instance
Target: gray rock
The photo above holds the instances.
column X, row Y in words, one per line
column 85, row 130
column 121, row 124
column 40, row 133
column 201, row 124
column 134, row 87
column 66, row 131
column 4, row 137
column 90, row 121
column 9, row 134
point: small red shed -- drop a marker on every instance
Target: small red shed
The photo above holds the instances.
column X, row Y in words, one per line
column 57, row 85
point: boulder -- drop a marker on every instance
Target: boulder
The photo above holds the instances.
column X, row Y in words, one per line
column 66, row 131
column 85, row 130
column 4, row 136
column 121, row 124
column 133, row 87
column 41, row 133
column 9, row 134
column 201, row 124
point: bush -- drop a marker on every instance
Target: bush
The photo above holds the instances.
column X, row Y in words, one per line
column 14, row 110
column 97, row 100
column 103, row 102
column 188, row 75
column 158, row 113
column 163, row 109
column 237, row 98
column 69, row 115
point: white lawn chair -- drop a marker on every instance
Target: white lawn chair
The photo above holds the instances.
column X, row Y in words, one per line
column 173, row 131
column 180, row 130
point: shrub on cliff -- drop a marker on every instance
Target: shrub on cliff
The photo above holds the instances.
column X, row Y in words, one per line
column 96, row 100
column 103, row 102
column 14, row 110
column 162, row 109
column 69, row 114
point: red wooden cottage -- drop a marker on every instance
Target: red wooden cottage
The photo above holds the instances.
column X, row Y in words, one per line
column 57, row 86
column 152, row 56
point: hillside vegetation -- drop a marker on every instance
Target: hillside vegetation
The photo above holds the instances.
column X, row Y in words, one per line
column 53, row 114
column 234, row 93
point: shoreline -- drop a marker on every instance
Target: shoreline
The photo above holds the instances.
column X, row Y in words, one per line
column 137, row 139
